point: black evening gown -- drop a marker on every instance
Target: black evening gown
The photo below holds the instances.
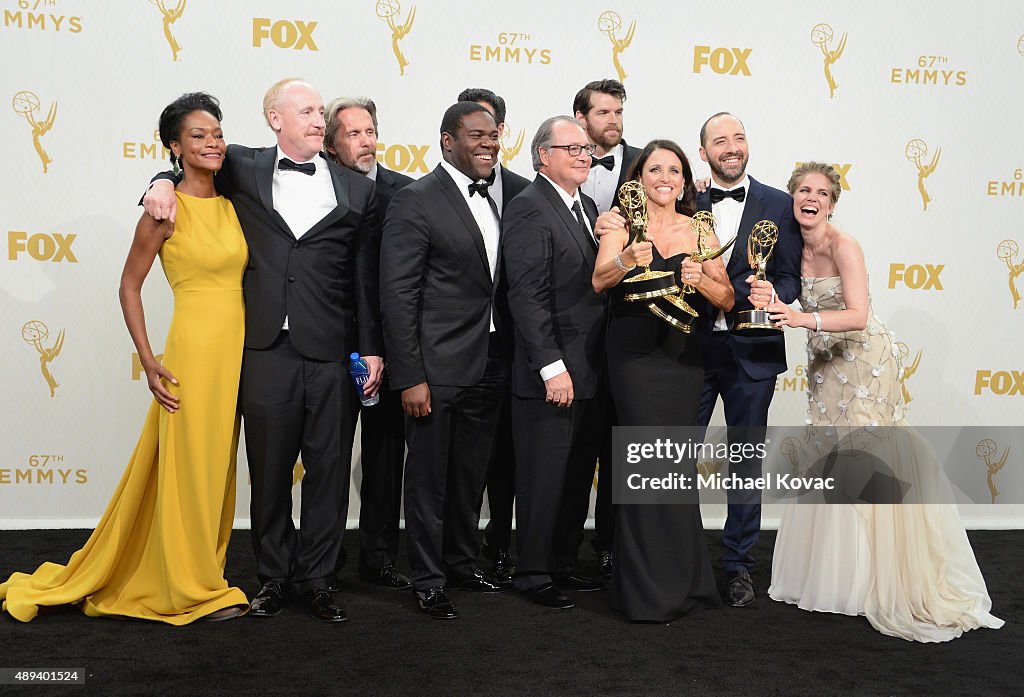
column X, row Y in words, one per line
column 662, row 567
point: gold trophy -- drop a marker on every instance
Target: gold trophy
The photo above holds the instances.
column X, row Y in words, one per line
column 648, row 284
column 674, row 309
column 760, row 244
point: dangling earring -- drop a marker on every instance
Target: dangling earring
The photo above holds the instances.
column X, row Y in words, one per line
column 175, row 165
column 680, row 196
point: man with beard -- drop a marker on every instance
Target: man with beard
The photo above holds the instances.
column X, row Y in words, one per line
column 598, row 108
column 446, row 334
column 350, row 139
column 742, row 369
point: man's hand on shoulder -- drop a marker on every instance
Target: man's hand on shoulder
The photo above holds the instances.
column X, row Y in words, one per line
column 160, row 202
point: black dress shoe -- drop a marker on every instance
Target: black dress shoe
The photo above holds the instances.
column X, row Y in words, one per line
column 434, row 603
column 322, row 606
column 479, row 583
column 739, row 592
column 268, row 601
column 333, row 584
column 548, row 595
column 387, row 576
column 504, row 567
column 583, row 584
column 605, row 563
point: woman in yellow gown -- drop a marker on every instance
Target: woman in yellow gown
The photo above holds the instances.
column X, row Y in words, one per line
column 159, row 550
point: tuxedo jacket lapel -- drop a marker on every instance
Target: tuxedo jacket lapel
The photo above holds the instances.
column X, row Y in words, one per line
column 568, row 220
column 264, row 167
column 341, row 194
column 458, row 203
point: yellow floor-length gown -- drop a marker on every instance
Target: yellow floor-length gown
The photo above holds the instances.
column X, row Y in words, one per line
column 159, row 550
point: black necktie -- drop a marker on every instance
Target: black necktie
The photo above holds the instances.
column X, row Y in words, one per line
column 735, row 194
column 306, row 167
column 608, row 162
column 580, row 220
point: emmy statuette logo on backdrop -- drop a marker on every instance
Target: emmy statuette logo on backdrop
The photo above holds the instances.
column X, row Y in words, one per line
column 821, row 35
column 1007, row 251
column 35, row 333
column 170, row 15
column 916, row 150
column 1020, row 45
column 609, row 22
column 907, row 371
column 387, row 10
column 986, row 450
column 508, row 153
column 26, row 103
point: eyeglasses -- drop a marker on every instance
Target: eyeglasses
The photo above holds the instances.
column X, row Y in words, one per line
column 575, row 150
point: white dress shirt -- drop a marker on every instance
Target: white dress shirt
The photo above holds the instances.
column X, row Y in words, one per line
column 496, row 189
column 303, row 200
column 558, row 367
column 602, row 183
column 484, row 217
column 728, row 213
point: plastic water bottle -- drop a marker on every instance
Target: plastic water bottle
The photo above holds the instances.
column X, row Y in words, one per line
column 360, row 373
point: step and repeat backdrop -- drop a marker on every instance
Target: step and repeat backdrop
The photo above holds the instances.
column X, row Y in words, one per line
column 917, row 104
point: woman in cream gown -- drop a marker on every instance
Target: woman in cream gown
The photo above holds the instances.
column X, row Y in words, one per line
column 908, row 568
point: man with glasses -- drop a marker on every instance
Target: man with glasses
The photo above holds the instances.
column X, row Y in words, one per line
column 558, row 385
column 445, row 332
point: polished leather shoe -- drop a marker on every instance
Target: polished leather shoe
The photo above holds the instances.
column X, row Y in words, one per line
column 605, row 563
column 480, row 583
column 504, row 567
column 548, row 595
column 387, row 576
column 434, row 603
column 739, row 592
column 268, row 601
column 322, row 606
column 575, row 582
column 333, row 584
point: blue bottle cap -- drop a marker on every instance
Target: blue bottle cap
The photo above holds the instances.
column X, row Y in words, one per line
column 354, row 357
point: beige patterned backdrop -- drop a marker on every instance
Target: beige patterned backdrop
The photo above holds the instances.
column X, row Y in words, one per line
column 917, row 103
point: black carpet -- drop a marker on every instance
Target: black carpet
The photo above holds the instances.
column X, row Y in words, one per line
column 503, row 645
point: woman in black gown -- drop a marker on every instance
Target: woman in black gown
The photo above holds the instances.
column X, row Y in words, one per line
column 662, row 567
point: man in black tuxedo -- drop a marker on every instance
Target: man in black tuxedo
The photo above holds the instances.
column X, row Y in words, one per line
column 501, row 483
column 350, row 139
column 445, row 323
column 558, row 388
column 311, row 298
column 742, row 369
column 598, row 108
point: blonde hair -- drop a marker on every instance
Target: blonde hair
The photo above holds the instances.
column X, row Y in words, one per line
column 820, row 168
column 273, row 95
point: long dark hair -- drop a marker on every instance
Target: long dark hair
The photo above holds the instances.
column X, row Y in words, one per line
column 687, row 205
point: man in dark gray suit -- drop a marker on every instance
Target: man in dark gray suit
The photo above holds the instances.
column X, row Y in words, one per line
column 558, row 384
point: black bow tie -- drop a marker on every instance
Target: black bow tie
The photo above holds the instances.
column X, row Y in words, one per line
column 481, row 186
column 735, row 194
column 306, row 167
column 608, row 162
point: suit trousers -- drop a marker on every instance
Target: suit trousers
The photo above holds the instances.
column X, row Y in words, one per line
column 291, row 404
column 501, row 483
column 445, row 472
column 382, row 459
column 555, row 452
column 746, row 403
